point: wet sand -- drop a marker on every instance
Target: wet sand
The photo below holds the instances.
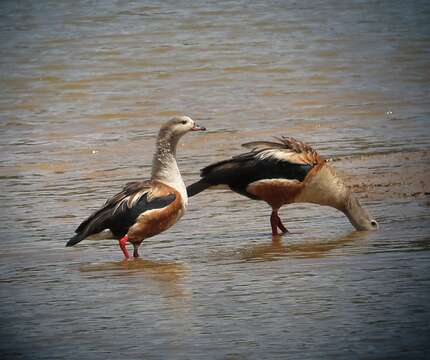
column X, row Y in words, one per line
column 406, row 178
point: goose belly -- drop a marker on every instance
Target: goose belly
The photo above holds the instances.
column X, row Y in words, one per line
column 276, row 192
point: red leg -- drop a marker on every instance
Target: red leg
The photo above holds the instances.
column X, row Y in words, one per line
column 281, row 226
column 122, row 243
column 135, row 250
column 274, row 222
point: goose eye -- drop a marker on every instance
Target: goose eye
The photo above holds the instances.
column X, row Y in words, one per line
column 184, row 122
column 373, row 223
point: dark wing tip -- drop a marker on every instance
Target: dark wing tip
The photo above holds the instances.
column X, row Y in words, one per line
column 74, row 240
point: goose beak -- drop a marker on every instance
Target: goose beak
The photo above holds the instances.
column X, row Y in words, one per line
column 198, row 128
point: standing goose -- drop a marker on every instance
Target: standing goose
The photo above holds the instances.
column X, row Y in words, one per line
column 145, row 208
column 283, row 172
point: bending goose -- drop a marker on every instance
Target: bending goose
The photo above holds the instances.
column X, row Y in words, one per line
column 283, row 172
column 145, row 208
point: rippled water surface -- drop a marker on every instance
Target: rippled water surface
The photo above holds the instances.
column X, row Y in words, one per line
column 84, row 87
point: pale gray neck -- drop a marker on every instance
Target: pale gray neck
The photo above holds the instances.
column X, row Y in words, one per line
column 164, row 166
column 326, row 188
column 356, row 214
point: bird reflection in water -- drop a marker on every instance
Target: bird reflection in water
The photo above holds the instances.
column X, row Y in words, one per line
column 169, row 276
column 277, row 248
column 136, row 265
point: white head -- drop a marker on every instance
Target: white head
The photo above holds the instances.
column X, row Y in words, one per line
column 164, row 167
column 171, row 132
column 179, row 126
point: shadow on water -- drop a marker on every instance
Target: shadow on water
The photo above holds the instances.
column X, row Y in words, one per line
column 277, row 248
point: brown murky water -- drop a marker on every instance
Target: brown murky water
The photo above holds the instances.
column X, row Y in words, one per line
column 84, row 87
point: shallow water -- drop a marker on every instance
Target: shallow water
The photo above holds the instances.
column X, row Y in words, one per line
column 84, row 87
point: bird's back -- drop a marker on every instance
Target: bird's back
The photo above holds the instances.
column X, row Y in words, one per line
column 287, row 159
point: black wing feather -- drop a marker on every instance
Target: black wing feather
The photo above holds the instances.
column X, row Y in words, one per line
column 244, row 169
column 117, row 215
column 124, row 216
column 129, row 189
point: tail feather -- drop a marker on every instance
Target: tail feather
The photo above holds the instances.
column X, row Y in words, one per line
column 94, row 224
column 197, row 187
column 75, row 239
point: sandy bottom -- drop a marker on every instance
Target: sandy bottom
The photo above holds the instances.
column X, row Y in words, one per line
column 388, row 176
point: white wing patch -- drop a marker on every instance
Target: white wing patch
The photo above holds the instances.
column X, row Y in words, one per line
column 287, row 149
column 283, row 155
column 130, row 200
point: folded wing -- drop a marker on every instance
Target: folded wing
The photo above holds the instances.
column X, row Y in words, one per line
column 121, row 211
